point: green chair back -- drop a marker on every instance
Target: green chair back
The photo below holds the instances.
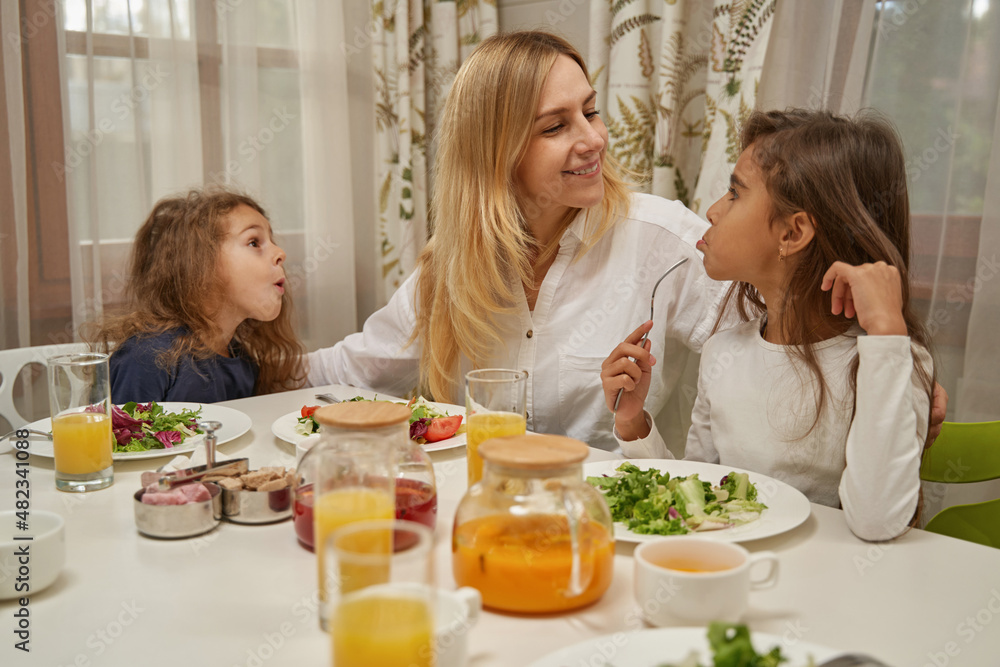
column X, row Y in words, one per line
column 978, row 522
column 965, row 453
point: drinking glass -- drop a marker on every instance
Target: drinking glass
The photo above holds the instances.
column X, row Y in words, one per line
column 80, row 404
column 495, row 400
column 354, row 481
column 381, row 610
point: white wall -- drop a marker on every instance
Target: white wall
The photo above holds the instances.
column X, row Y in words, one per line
column 569, row 19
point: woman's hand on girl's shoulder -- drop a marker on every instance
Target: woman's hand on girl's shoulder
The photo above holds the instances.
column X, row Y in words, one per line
column 872, row 292
column 628, row 369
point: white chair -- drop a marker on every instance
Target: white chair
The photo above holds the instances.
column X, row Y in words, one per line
column 11, row 364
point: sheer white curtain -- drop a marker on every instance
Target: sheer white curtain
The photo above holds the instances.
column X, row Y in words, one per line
column 818, row 55
column 935, row 70
column 163, row 96
column 417, row 48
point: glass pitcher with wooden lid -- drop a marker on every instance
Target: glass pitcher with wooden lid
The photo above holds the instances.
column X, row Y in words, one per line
column 532, row 536
column 379, row 429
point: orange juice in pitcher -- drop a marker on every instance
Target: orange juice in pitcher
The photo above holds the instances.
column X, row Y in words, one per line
column 532, row 536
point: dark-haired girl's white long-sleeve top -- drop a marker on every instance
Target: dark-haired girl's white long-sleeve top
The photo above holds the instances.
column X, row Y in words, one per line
column 756, row 404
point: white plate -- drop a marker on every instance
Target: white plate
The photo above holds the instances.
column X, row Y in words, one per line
column 787, row 507
column 234, row 424
column 283, row 428
column 652, row 648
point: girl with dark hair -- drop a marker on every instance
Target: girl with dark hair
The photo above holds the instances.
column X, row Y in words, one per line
column 207, row 317
column 827, row 382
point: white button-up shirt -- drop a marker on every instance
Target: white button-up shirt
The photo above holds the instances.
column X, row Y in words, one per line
column 586, row 306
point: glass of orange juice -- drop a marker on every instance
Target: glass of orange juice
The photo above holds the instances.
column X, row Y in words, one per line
column 381, row 610
column 353, row 470
column 80, row 402
column 495, row 400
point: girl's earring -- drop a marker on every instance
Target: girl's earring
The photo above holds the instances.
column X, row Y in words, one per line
column 781, row 253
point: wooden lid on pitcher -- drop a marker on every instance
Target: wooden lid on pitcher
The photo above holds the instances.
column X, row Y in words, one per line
column 362, row 414
column 533, row 451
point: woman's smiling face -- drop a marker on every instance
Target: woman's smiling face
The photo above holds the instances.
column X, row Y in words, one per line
column 561, row 167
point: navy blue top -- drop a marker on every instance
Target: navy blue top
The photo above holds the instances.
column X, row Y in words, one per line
column 136, row 377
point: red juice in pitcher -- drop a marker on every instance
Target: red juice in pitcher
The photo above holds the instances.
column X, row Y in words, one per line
column 302, row 515
column 415, row 501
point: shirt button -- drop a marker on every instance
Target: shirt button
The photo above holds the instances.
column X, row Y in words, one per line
column 530, row 333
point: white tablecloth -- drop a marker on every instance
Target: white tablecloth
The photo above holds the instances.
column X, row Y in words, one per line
column 245, row 595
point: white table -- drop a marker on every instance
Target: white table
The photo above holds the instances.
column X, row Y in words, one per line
column 245, row 595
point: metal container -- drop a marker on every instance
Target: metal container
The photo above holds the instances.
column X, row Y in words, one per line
column 246, row 506
column 178, row 521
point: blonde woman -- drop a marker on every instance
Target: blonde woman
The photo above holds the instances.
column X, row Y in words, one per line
column 541, row 258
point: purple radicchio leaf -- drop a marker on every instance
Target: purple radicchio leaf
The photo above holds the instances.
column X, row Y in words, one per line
column 124, row 436
column 122, row 419
column 168, row 438
column 673, row 513
column 418, row 429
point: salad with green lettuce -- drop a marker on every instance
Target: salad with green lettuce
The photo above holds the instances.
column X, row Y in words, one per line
column 649, row 502
column 731, row 647
column 140, row 427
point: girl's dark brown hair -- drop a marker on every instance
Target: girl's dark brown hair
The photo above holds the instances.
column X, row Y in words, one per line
column 848, row 176
column 173, row 282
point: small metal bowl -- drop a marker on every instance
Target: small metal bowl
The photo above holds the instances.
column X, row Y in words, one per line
column 179, row 521
column 246, row 506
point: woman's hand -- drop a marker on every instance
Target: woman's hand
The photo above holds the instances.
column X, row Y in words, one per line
column 620, row 372
column 939, row 410
column 873, row 292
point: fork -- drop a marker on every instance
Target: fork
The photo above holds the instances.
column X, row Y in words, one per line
column 30, row 431
column 853, row 660
column 645, row 336
column 329, row 398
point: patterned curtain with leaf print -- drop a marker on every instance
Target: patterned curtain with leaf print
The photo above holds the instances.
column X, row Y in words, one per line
column 418, row 48
column 676, row 77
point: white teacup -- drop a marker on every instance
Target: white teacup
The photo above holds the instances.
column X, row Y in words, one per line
column 454, row 615
column 683, row 580
column 24, row 575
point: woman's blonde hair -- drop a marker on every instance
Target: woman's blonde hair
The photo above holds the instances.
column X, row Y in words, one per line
column 174, row 283
column 482, row 252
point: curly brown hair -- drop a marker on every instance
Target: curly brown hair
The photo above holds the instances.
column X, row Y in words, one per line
column 173, row 281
